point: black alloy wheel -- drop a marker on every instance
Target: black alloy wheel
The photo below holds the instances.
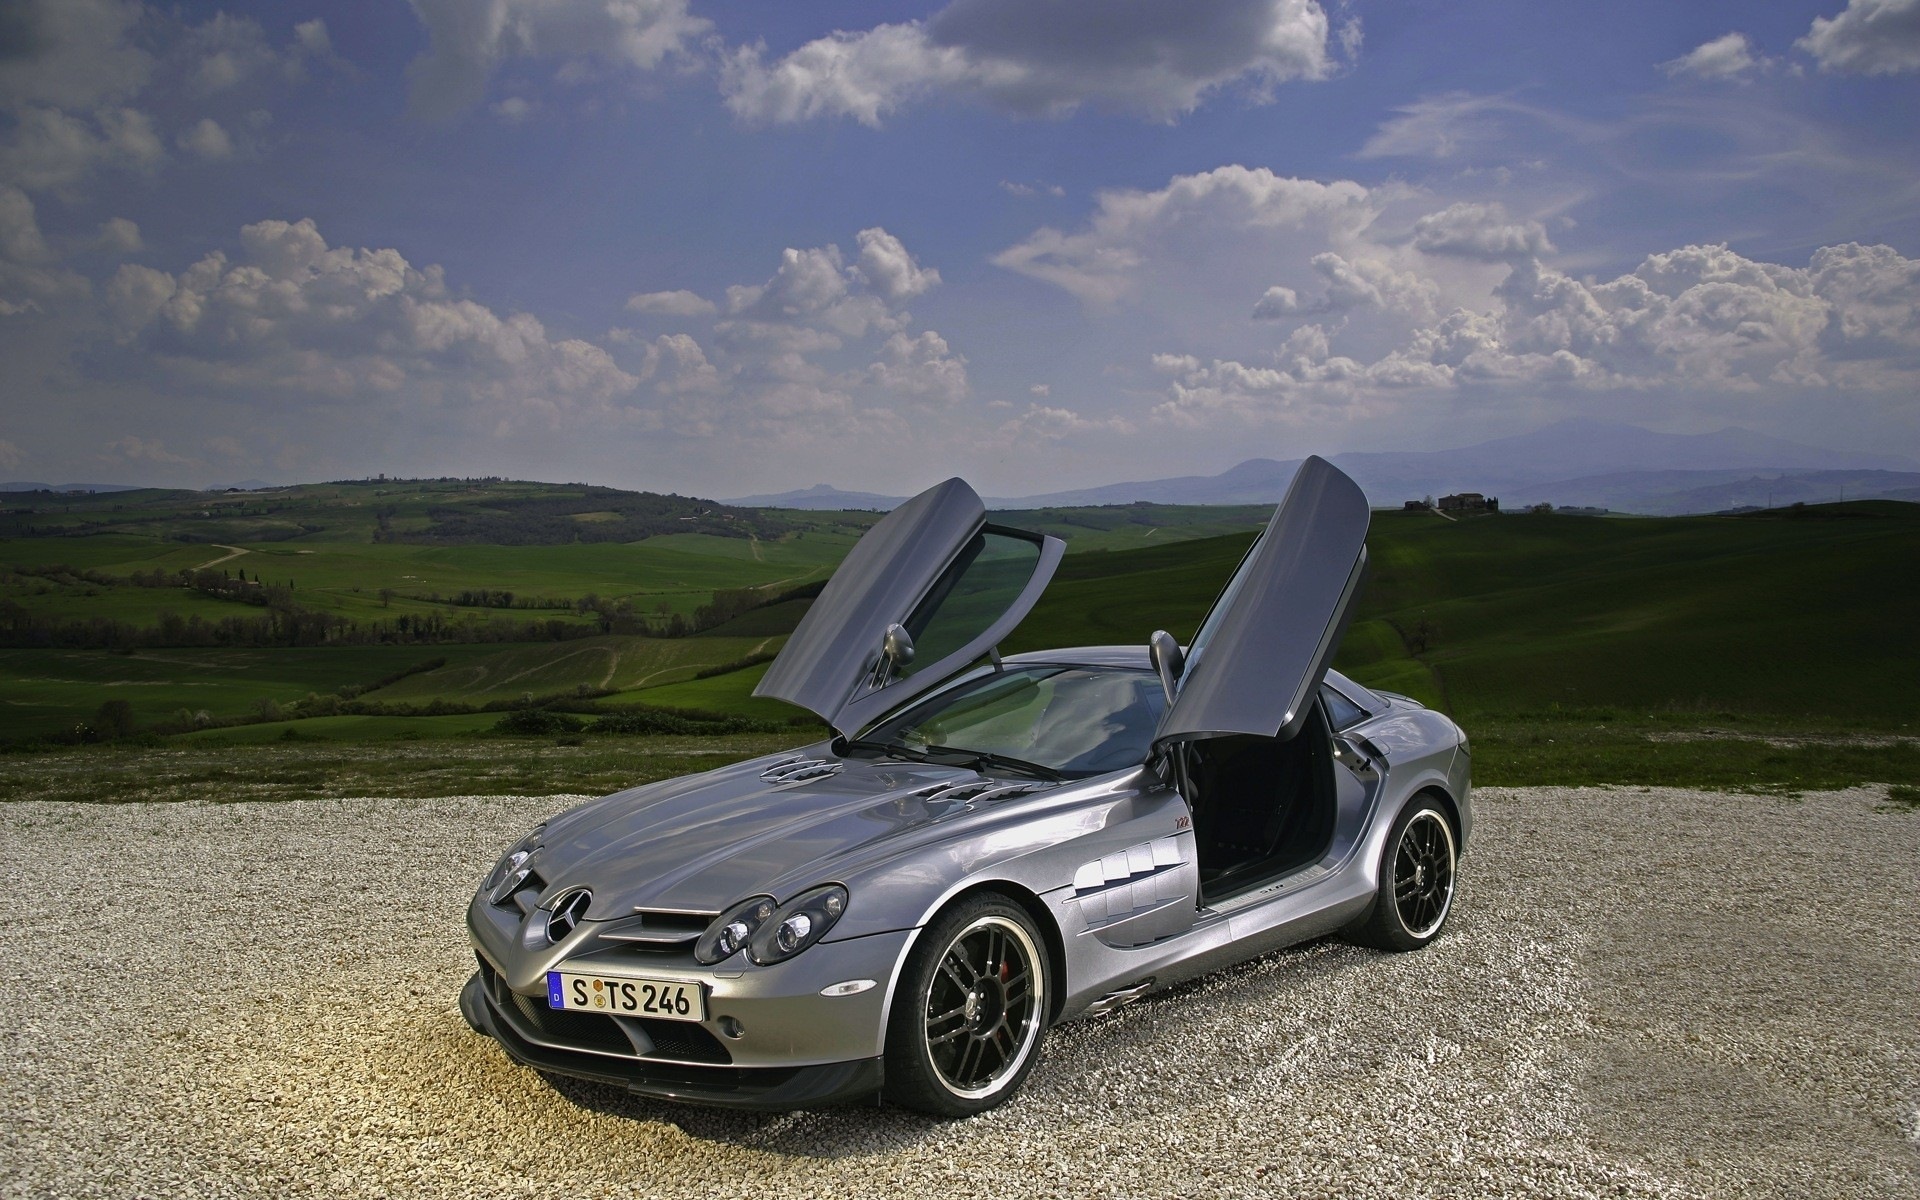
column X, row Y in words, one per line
column 1417, row 876
column 970, row 1010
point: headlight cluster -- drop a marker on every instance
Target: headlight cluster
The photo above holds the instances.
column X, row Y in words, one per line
column 511, row 870
column 772, row 932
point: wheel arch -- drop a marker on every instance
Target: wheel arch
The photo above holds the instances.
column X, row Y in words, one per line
column 1036, row 909
column 1447, row 805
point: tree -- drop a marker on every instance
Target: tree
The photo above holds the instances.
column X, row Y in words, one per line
column 114, row 719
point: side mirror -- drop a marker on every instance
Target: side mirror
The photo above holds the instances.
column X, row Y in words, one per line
column 1168, row 660
column 897, row 645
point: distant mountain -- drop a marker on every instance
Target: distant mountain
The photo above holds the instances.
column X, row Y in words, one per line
column 245, row 485
column 1505, row 467
column 820, row 496
column 70, row 487
column 1671, row 493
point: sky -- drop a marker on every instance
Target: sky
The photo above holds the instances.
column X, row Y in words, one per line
column 722, row 249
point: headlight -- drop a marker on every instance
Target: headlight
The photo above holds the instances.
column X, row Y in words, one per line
column 799, row 923
column 732, row 930
column 512, row 867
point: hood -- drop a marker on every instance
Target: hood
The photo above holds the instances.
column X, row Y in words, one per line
column 772, row 825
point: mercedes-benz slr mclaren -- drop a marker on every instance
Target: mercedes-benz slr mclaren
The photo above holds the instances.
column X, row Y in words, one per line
column 988, row 845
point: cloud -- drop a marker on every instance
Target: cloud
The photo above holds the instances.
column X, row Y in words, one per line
column 49, row 148
column 1729, row 56
column 71, row 53
column 1028, row 190
column 671, row 304
column 10, row 455
column 1480, row 231
column 1049, row 423
column 889, row 270
column 30, row 277
column 923, row 365
column 136, row 449
column 293, row 314
column 513, row 110
column 1696, row 318
column 313, row 38
column 119, row 236
column 1101, row 264
column 208, row 140
column 1041, row 58
column 469, row 39
column 1868, row 37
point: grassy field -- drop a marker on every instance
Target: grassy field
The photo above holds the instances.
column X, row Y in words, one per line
column 48, row 691
column 1749, row 651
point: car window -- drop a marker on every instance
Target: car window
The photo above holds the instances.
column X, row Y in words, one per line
column 1341, row 712
column 973, row 592
column 1076, row 720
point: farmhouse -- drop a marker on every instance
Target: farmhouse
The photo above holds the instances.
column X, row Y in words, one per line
column 1469, row 502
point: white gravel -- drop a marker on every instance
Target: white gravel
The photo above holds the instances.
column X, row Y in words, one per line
column 1643, row 992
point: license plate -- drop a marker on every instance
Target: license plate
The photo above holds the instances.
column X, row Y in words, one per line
column 623, row 997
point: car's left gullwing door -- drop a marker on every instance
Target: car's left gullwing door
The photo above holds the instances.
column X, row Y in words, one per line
column 1260, row 655
column 934, row 566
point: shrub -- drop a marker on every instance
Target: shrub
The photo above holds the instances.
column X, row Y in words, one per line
column 538, row 722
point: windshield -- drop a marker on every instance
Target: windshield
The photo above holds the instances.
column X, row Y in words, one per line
column 1072, row 720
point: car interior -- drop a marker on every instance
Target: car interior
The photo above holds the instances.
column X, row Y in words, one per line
column 1262, row 807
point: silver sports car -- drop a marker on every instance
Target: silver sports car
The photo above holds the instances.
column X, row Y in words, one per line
column 989, row 845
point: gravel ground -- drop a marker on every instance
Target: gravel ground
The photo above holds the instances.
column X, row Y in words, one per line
column 1643, row 992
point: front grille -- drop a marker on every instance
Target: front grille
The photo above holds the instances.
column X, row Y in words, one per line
column 588, row 1030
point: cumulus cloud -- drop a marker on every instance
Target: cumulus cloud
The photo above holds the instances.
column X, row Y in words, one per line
column 1699, row 317
column 10, row 455
column 1101, row 264
column 313, row 38
column 71, row 53
column 119, row 236
column 1480, row 231
column 671, row 304
column 1868, row 37
column 889, row 270
column 1051, row 423
column 1041, row 58
column 469, row 39
column 295, row 314
column 208, row 140
column 30, row 277
column 921, row 365
column 50, row 148
column 1729, row 56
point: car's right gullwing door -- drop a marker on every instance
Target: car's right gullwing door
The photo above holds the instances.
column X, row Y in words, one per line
column 933, row 566
column 1259, row 657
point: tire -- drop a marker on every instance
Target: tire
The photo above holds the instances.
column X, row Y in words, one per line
column 970, row 1010
column 1418, row 871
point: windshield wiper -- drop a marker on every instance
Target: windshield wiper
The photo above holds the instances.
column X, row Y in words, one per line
column 1005, row 762
column 891, row 749
column 945, row 755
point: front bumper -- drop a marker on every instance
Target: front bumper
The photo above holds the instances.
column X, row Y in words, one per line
column 777, row 1089
column 770, row 1040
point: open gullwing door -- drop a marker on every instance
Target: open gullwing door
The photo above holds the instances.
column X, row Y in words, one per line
column 1260, row 655
column 926, row 591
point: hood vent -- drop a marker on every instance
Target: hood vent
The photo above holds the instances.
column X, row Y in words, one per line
column 799, row 767
column 977, row 789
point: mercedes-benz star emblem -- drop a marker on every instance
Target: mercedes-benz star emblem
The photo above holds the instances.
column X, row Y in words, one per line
column 567, row 913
